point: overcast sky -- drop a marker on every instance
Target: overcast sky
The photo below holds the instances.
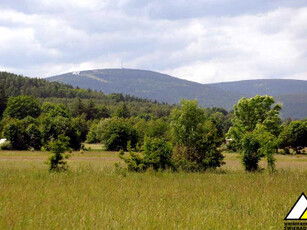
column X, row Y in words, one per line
column 200, row 40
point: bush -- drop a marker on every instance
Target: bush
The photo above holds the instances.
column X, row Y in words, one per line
column 195, row 138
column 157, row 155
column 117, row 134
column 53, row 127
column 57, row 161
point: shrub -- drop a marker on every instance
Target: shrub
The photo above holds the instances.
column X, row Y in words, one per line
column 157, row 154
column 57, row 161
column 195, row 138
column 53, row 127
column 117, row 134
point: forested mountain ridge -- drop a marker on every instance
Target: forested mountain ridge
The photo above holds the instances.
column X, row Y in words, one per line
column 12, row 85
column 150, row 85
column 292, row 94
column 273, row 87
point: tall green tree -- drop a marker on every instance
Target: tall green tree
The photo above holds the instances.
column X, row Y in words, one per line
column 250, row 112
column 256, row 127
column 78, row 107
column 22, row 106
column 195, row 138
column 294, row 136
column 16, row 133
column 90, row 110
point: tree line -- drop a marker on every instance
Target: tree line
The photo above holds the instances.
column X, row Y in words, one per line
column 147, row 134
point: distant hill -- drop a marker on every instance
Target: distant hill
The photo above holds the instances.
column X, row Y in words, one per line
column 272, row 87
column 164, row 88
column 149, row 85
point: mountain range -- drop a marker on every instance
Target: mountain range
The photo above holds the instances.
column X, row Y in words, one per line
column 292, row 94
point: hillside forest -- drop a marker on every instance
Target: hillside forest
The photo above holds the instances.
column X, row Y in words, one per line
column 51, row 116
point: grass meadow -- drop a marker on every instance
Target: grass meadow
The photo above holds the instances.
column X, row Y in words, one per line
column 94, row 195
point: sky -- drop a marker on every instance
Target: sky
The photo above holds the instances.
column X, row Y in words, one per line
column 205, row 41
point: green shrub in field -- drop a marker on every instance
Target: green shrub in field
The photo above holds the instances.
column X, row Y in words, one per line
column 57, row 161
column 118, row 132
column 53, row 127
column 157, row 154
column 195, row 138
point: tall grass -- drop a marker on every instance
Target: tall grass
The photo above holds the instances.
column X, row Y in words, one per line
column 93, row 195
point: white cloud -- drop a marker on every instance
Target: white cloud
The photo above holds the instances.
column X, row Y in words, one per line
column 43, row 39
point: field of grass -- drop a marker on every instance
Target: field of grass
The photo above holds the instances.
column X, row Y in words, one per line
column 94, row 195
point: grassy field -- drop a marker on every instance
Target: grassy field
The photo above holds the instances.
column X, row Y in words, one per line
column 93, row 195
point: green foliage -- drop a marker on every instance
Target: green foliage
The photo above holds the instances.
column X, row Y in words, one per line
column 102, row 112
column 3, row 99
column 92, row 136
column 157, row 154
column 54, row 110
column 90, row 110
column 250, row 154
column 195, row 138
column 81, row 126
column 122, row 111
column 294, row 136
column 34, row 136
column 117, row 134
column 58, row 147
column 250, row 112
column 268, row 145
column 256, row 126
column 16, row 133
column 78, row 107
column 15, row 85
column 257, row 144
column 52, row 127
column 22, row 106
column 135, row 161
column 23, row 134
column 284, row 139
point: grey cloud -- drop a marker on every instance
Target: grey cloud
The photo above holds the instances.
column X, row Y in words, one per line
column 199, row 40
